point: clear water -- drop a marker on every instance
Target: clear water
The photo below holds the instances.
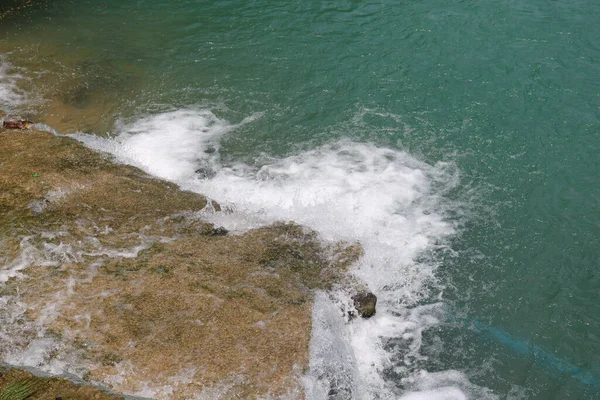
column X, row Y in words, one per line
column 458, row 141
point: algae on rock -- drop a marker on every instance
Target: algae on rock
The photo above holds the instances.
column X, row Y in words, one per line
column 17, row 384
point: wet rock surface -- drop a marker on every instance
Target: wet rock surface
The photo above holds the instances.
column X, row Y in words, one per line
column 17, row 384
column 365, row 303
column 113, row 275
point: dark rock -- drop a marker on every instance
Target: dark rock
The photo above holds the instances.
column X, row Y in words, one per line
column 339, row 389
column 218, row 231
column 205, row 173
column 18, row 124
column 216, row 206
column 339, row 394
column 351, row 315
column 365, row 303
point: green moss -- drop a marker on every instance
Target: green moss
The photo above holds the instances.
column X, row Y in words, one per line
column 161, row 270
column 19, row 391
column 16, row 384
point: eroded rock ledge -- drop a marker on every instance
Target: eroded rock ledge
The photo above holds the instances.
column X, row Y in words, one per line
column 109, row 274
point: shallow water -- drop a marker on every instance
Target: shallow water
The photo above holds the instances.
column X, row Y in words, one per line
column 458, row 142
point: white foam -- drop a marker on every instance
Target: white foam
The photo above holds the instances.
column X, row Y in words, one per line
column 24, row 342
column 388, row 200
column 11, row 96
column 444, row 393
column 333, row 365
column 26, row 257
column 172, row 145
column 445, row 385
column 38, row 354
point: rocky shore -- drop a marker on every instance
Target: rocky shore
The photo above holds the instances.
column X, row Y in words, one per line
column 112, row 275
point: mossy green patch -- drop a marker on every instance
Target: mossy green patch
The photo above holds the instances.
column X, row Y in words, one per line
column 19, row 391
column 16, row 384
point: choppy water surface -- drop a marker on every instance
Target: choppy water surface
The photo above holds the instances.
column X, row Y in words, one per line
column 458, row 141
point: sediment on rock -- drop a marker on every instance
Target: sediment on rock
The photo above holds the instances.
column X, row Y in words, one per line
column 115, row 274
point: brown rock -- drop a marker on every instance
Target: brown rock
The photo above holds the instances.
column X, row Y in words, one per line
column 18, row 124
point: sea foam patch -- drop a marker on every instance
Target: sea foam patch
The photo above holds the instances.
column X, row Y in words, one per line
column 11, row 96
column 171, row 145
column 392, row 203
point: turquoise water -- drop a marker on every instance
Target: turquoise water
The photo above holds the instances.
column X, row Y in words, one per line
column 504, row 94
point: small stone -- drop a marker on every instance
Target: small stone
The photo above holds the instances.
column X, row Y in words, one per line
column 365, row 303
column 219, row 231
column 18, row 124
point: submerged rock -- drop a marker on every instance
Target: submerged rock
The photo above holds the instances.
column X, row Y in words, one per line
column 74, row 90
column 365, row 303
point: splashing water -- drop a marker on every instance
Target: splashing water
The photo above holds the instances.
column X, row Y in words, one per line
column 389, row 201
column 11, row 96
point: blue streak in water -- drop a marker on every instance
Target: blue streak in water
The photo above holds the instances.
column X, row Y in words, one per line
column 543, row 358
